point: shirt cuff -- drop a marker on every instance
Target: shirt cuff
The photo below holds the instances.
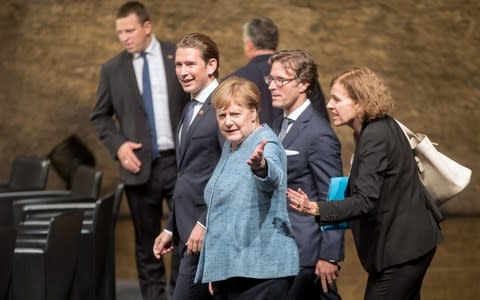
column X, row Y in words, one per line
column 168, row 232
column 203, row 226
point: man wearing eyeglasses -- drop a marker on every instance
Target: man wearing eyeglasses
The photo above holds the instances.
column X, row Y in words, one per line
column 313, row 157
column 260, row 41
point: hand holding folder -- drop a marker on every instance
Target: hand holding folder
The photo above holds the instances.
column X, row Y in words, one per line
column 336, row 192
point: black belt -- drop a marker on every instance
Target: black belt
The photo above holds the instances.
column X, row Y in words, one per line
column 163, row 154
column 166, row 152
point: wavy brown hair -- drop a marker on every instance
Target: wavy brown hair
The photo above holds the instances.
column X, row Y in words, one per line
column 369, row 90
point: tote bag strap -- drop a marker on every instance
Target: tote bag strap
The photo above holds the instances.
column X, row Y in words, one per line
column 412, row 138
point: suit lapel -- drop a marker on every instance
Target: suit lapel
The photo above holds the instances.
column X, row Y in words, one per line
column 181, row 142
column 169, row 65
column 204, row 110
column 297, row 127
column 131, row 80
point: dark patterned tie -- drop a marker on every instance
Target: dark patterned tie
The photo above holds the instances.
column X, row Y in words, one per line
column 148, row 102
column 187, row 119
column 283, row 130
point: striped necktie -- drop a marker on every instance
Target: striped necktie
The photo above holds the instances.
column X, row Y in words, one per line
column 283, row 130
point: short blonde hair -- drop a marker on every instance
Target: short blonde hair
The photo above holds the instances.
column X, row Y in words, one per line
column 369, row 90
column 239, row 89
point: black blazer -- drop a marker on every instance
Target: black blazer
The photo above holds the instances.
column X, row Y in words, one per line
column 119, row 114
column 313, row 157
column 386, row 201
column 255, row 71
column 197, row 155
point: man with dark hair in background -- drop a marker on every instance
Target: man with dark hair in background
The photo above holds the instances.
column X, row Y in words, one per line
column 139, row 104
column 260, row 41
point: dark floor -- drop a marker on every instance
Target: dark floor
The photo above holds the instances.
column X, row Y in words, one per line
column 454, row 273
column 127, row 289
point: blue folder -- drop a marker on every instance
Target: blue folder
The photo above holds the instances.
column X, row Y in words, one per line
column 336, row 192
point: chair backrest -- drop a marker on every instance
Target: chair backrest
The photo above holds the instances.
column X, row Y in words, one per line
column 116, row 202
column 102, row 224
column 7, row 236
column 107, row 287
column 28, row 174
column 62, row 253
column 86, row 181
column 43, row 267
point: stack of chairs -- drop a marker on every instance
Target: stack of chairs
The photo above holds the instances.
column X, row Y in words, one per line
column 57, row 244
column 7, row 237
column 93, row 277
column 27, row 173
column 86, row 183
column 44, row 261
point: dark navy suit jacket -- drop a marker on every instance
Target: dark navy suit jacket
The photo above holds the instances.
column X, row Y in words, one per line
column 313, row 157
column 255, row 71
column 197, row 155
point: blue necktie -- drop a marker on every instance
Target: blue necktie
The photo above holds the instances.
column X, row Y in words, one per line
column 148, row 102
column 187, row 119
column 283, row 130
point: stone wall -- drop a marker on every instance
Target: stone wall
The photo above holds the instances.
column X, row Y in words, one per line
column 425, row 50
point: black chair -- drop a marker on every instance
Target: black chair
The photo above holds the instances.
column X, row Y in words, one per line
column 109, row 286
column 95, row 273
column 44, row 263
column 85, row 185
column 7, row 238
column 93, row 252
column 27, row 174
column 85, row 182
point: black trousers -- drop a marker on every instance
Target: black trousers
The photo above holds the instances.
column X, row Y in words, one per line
column 145, row 203
column 239, row 288
column 304, row 287
column 402, row 282
column 186, row 289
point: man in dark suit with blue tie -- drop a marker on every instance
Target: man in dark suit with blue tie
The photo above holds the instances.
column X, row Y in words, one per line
column 313, row 157
column 139, row 104
column 196, row 61
column 260, row 41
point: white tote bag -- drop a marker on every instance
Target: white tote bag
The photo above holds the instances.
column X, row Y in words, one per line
column 443, row 177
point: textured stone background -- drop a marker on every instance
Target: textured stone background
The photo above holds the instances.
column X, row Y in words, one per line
column 427, row 51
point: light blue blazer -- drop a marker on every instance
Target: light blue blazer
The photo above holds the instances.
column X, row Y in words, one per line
column 248, row 230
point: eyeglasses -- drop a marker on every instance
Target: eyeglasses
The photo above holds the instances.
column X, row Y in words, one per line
column 279, row 81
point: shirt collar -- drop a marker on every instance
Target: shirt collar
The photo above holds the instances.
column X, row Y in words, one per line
column 297, row 112
column 203, row 95
column 152, row 49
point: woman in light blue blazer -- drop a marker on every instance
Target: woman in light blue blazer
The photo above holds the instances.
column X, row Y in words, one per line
column 249, row 251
